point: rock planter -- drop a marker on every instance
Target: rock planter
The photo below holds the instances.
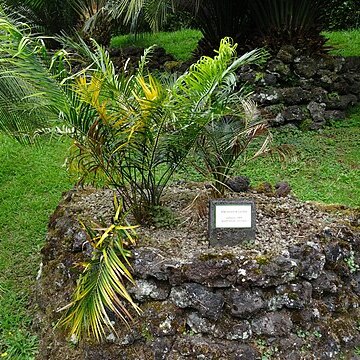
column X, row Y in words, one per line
column 300, row 301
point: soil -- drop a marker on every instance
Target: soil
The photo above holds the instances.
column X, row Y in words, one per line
column 280, row 221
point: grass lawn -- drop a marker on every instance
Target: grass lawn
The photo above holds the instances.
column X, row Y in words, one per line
column 178, row 43
column 344, row 43
column 326, row 167
column 182, row 43
column 31, row 183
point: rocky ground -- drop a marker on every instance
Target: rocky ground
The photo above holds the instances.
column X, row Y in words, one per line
column 281, row 220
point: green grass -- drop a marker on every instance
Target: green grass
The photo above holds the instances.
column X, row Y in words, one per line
column 345, row 43
column 326, row 167
column 31, row 183
column 180, row 43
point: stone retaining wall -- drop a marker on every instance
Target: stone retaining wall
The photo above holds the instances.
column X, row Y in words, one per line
column 302, row 304
column 302, row 90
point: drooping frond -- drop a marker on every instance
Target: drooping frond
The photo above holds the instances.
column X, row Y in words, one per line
column 101, row 288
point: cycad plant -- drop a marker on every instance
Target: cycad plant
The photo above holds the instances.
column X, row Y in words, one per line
column 49, row 17
column 224, row 141
column 30, row 94
column 130, row 130
column 143, row 128
column 291, row 22
column 266, row 22
column 215, row 19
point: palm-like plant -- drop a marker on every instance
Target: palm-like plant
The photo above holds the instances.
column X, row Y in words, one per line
column 142, row 130
column 26, row 74
column 223, row 141
column 130, row 130
column 216, row 19
column 249, row 23
column 279, row 22
column 49, row 17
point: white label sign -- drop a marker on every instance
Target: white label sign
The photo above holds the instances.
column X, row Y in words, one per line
column 233, row 216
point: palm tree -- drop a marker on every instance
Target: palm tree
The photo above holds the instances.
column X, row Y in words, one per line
column 49, row 17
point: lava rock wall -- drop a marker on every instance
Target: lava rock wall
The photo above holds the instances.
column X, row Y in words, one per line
column 304, row 91
column 221, row 304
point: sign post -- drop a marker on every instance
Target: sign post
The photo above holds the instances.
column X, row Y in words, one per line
column 231, row 221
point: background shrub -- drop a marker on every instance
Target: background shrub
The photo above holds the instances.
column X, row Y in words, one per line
column 341, row 15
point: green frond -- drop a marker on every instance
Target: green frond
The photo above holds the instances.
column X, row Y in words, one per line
column 101, row 288
column 30, row 95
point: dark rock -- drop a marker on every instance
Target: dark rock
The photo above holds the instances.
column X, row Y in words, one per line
column 245, row 303
column 149, row 290
column 194, row 347
column 161, row 319
column 212, row 271
column 282, row 189
column 342, row 86
column 292, row 296
column 355, row 283
column 198, row 297
column 278, row 120
column 317, row 111
column 326, row 283
column 332, row 63
column 334, row 115
column 199, row 324
column 351, row 63
column 310, row 258
column 305, row 66
column 149, row 262
column 287, row 54
column 267, row 96
column 79, row 241
column 239, row 184
column 242, row 303
column 278, row 67
column 224, row 328
column 354, row 88
column 294, row 95
column 318, row 94
column 295, row 113
column 326, row 79
column 131, row 55
column 247, row 77
column 161, row 347
column 267, row 272
column 269, row 79
column 265, row 188
column 341, row 102
column 272, row 324
column 289, row 346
